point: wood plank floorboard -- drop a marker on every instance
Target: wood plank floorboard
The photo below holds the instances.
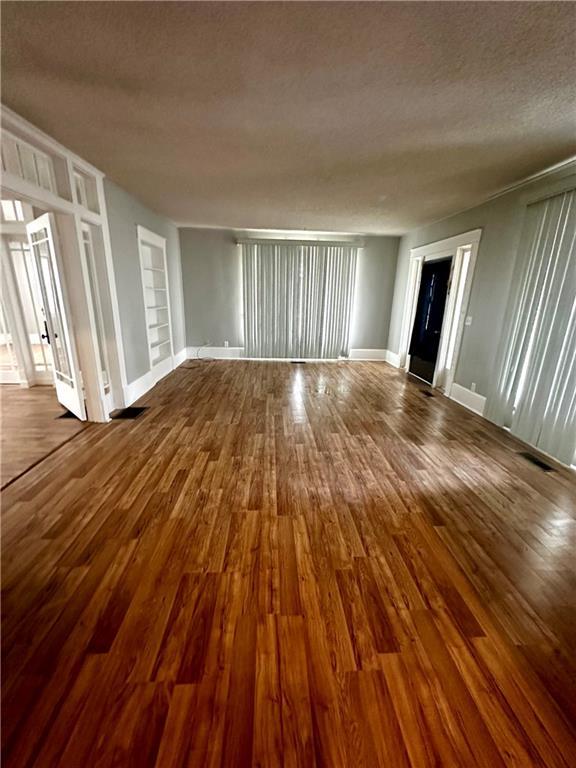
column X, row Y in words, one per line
column 30, row 427
column 289, row 565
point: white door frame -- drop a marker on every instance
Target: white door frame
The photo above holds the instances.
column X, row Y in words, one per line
column 463, row 249
column 62, row 199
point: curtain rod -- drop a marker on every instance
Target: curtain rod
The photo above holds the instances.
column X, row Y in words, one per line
column 298, row 241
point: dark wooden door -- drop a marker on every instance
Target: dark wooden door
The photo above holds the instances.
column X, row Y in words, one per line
column 428, row 320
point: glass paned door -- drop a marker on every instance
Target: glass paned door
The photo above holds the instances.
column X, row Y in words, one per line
column 89, row 256
column 43, row 245
column 31, row 303
column 9, row 369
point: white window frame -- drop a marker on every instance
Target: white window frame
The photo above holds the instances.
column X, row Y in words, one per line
column 11, row 141
column 455, row 247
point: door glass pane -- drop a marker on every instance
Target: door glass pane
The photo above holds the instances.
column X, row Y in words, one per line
column 44, row 169
column 97, row 306
column 27, row 163
column 32, row 304
column 53, row 310
column 8, row 360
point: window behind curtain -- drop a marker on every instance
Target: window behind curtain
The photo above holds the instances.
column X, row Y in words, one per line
column 536, row 392
column 297, row 299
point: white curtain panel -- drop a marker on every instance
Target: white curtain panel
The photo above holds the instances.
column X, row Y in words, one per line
column 536, row 392
column 297, row 299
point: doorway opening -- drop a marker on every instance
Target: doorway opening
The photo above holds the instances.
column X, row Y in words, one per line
column 26, row 354
column 41, row 261
column 440, row 278
column 55, row 308
column 428, row 318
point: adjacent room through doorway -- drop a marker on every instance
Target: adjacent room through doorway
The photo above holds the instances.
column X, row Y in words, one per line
column 425, row 341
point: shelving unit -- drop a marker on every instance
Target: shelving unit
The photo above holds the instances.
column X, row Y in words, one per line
column 152, row 250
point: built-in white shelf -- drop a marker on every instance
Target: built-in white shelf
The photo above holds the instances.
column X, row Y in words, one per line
column 160, row 343
column 152, row 249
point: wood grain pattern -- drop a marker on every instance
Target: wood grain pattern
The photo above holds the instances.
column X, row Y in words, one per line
column 30, row 427
column 282, row 565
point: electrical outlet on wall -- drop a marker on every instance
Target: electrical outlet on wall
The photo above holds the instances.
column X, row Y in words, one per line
column 473, row 387
column 226, row 342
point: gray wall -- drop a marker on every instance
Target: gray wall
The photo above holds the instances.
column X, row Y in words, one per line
column 211, row 274
column 374, row 293
column 501, row 222
column 124, row 214
column 211, row 278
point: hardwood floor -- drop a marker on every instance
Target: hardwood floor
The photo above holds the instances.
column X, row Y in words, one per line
column 30, row 427
column 299, row 565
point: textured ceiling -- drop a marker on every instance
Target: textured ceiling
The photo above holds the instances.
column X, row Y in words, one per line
column 359, row 117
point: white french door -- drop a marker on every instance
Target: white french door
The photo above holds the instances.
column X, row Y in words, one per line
column 43, row 240
column 89, row 256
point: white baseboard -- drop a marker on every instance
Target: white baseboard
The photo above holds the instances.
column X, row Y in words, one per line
column 393, row 358
column 237, row 353
column 219, row 353
column 367, row 354
column 163, row 369
column 375, row 354
column 137, row 388
column 179, row 357
column 471, row 400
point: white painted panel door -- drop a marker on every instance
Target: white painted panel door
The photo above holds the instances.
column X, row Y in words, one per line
column 43, row 240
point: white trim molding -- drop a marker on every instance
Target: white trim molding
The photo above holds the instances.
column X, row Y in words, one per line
column 180, row 357
column 462, row 249
column 149, row 239
column 367, row 354
column 375, row 354
column 218, row 353
column 564, row 166
column 472, row 237
column 139, row 387
column 470, row 400
column 237, row 353
column 60, row 197
column 393, row 358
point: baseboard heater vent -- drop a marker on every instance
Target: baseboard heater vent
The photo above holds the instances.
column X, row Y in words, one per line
column 537, row 462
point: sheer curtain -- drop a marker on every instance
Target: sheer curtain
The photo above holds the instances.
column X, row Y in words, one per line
column 536, row 392
column 297, row 298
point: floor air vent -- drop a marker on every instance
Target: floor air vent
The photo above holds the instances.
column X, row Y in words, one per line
column 426, row 393
column 537, row 462
column 132, row 412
